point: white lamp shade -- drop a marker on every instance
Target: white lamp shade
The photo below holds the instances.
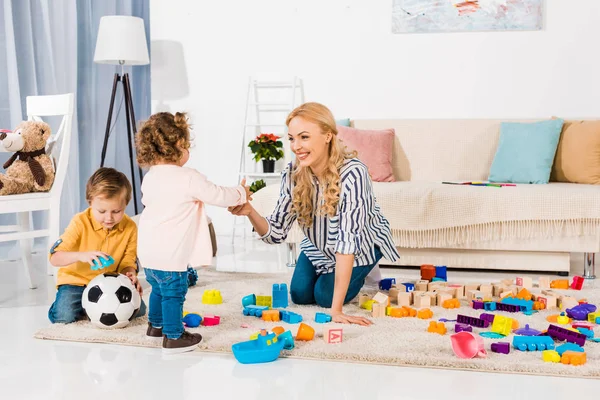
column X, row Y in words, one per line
column 121, row 40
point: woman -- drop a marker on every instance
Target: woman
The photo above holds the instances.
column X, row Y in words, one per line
column 329, row 192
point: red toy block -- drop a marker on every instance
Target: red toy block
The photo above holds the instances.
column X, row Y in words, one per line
column 427, row 272
column 211, row 320
column 577, row 283
column 333, row 335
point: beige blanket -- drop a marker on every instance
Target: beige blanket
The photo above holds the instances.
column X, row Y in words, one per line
column 429, row 214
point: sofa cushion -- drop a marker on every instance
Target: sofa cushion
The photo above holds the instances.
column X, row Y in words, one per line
column 526, row 151
column 374, row 149
column 578, row 154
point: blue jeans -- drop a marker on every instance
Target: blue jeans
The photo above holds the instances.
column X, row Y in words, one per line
column 67, row 306
column 166, row 300
column 309, row 288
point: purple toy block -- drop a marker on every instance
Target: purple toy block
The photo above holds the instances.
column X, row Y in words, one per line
column 458, row 327
column 558, row 333
column 473, row 321
column 507, row 307
column 501, row 347
column 487, row 317
column 477, row 305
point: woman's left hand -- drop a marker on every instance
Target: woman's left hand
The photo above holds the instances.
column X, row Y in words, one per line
column 342, row 318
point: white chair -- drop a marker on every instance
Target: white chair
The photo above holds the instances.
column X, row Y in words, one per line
column 24, row 204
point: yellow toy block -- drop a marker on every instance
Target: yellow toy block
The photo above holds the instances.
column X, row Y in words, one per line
column 502, row 325
column 368, row 305
column 592, row 317
column 550, row 356
column 212, row 296
column 264, row 301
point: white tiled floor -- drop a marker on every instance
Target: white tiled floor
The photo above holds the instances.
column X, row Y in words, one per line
column 36, row 369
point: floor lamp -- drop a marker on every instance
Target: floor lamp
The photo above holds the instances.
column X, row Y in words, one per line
column 122, row 41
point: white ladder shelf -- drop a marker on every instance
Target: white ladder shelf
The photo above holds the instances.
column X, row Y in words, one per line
column 267, row 106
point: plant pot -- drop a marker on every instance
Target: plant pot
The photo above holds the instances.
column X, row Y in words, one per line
column 268, row 165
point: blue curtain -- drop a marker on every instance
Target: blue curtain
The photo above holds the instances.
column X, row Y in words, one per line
column 47, row 47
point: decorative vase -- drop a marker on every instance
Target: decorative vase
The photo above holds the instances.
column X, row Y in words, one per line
column 268, row 165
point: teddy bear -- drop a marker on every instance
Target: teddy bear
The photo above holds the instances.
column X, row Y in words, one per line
column 30, row 169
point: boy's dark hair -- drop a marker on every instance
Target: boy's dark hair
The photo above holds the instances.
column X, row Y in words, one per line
column 108, row 182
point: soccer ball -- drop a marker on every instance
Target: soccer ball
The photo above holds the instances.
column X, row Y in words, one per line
column 110, row 301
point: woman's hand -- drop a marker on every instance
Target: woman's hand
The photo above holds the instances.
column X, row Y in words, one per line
column 241, row 210
column 342, row 318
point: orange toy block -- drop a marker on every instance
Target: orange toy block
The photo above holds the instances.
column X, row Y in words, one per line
column 411, row 311
column 427, row 272
column 398, row 312
column 378, row 310
column 333, row 335
column 305, row 332
column 573, row 358
column 452, row 303
column 524, row 281
column 404, row 299
column 422, row 301
column 544, row 282
column 421, row 286
column 538, row 305
column 524, row 294
column 425, row 313
column 271, row 315
column 437, row 327
column 278, row 330
column 559, row 284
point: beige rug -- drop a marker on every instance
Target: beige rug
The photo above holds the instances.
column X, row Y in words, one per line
column 390, row 341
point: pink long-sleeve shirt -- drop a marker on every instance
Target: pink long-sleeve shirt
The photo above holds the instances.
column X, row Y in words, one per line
column 173, row 228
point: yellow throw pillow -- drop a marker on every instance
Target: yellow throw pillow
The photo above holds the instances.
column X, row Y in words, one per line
column 577, row 157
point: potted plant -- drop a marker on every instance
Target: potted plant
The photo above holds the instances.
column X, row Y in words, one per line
column 268, row 148
column 257, row 185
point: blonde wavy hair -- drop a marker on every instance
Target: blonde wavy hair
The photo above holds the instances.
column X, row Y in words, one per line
column 303, row 192
column 161, row 139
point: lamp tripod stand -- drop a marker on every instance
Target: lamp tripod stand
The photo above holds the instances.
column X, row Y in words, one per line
column 130, row 120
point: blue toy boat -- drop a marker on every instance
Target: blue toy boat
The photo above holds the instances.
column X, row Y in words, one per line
column 264, row 349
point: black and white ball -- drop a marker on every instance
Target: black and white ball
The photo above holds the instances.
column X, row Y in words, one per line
column 110, row 301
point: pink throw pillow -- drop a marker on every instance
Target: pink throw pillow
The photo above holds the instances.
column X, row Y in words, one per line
column 374, row 149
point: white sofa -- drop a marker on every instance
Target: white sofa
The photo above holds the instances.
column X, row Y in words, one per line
column 527, row 227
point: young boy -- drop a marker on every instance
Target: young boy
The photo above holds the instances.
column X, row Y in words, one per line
column 101, row 230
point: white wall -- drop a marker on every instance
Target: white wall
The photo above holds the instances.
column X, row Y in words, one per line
column 350, row 61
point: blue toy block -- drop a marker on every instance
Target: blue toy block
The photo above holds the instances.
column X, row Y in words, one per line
column 489, row 305
column 587, row 332
column 288, row 340
column 440, row 272
column 533, row 343
column 192, row 320
column 105, row 262
column 322, row 318
column 569, row 347
column 280, row 295
column 254, row 311
column 410, row 287
column 249, row 300
column 386, row 284
column 525, row 305
column 291, row 317
column 436, row 279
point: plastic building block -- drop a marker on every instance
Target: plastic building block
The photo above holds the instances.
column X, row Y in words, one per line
column 265, row 348
column 577, row 282
column 569, row 347
column 502, row 325
column 427, row 272
column 478, row 305
column 305, row 332
column 479, row 323
column 559, row 284
column 211, row 320
column 249, row 300
column 501, row 347
column 573, row 358
column 425, row 313
column 458, row 327
column 278, row 330
column 581, row 311
column 533, row 343
column 280, row 295
column 322, row 318
column 192, row 320
column 271, row 315
column 212, row 296
column 585, row 325
column 525, row 305
column 386, row 283
column 287, row 339
column 440, row 272
column 264, row 301
column 104, row 262
column 368, row 305
column 489, row 306
column 437, row 327
column 524, row 294
column 333, row 335
column 538, row 305
column 550, row 356
column 291, row 317
column 452, row 303
column 254, row 311
column 563, row 319
column 487, row 317
column 500, row 306
column 593, row 317
column 561, row 334
column 467, row 345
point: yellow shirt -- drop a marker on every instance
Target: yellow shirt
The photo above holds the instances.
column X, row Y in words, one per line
column 84, row 233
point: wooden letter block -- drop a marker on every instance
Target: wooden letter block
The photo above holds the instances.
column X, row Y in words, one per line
column 378, row 310
column 568, row 302
column 422, row 301
column 333, row 335
column 433, row 298
column 362, row 299
column 441, row 297
column 421, row 286
column 471, row 287
column 404, row 299
column 487, row 290
column 382, row 298
column 525, row 282
column 544, row 282
column 458, row 291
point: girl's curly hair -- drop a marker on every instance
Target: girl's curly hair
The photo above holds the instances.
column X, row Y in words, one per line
column 162, row 138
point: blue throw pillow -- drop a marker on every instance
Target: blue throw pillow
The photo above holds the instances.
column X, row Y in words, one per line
column 526, row 151
column 343, row 122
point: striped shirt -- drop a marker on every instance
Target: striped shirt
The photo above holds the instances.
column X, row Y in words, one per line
column 357, row 227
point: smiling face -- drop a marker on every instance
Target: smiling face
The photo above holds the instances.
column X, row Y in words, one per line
column 309, row 144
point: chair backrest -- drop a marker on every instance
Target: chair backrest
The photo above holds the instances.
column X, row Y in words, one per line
column 55, row 105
